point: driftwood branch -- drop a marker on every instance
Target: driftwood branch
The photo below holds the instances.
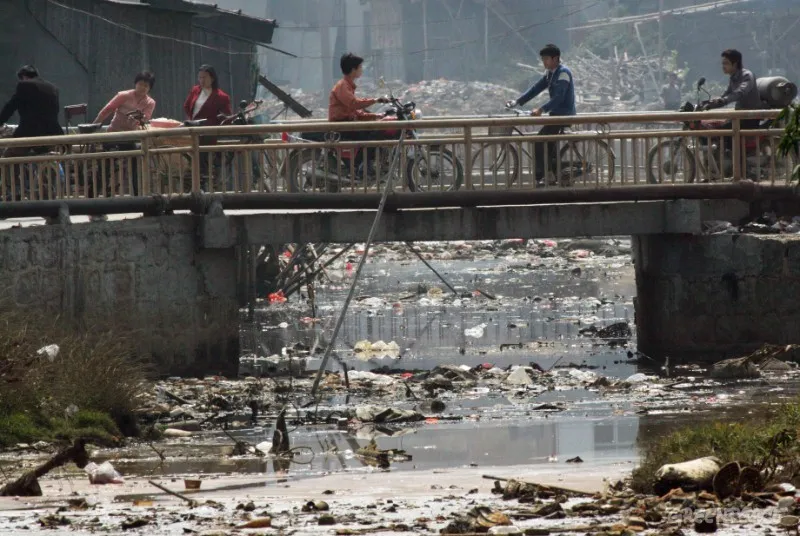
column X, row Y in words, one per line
column 28, row 484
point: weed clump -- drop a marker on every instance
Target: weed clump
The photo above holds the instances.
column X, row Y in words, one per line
column 88, row 384
column 769, row 444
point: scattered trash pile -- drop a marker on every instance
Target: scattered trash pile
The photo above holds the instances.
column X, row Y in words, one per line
column 768, row 223
column 699, row 495
column 616, row 84
column 769, row 358
column 597, row 92
column 432, row 97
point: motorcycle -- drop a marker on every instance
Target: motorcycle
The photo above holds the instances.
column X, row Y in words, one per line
column 431, row 167
column 677, row 159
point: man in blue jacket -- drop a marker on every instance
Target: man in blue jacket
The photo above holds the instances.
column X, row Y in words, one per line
column 558, row 81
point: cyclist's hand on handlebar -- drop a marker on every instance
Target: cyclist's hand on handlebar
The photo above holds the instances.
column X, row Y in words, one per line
column 511, row 104
column 383, row 100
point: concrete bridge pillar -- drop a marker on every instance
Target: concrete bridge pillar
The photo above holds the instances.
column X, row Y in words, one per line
column 149, row 278
column 711, row 296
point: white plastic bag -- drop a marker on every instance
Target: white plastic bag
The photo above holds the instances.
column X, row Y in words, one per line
column 103, row 473
column 50, row 351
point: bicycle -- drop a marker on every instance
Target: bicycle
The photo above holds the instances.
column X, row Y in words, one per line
column 573, row 162
column 263, row 166
column 36, row 181
column 88, row 172
column 682, row 159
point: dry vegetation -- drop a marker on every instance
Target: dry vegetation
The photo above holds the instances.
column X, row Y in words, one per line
column 89, row 388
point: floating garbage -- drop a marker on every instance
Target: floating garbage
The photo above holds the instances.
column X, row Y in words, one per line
column 103, row 473
column 476, row 332
column 369, row 350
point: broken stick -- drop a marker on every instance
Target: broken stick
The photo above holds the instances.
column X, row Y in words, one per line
column 191, row 502
column 28, row 484
column 543, row 486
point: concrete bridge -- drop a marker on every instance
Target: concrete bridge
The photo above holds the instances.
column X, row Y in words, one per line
column 181, row 279
column 180, row 273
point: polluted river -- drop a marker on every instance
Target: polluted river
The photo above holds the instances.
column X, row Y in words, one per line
column 444, row 397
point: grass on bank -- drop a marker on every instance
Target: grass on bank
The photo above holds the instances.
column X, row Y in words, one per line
column 90, row 389
column 769, row 444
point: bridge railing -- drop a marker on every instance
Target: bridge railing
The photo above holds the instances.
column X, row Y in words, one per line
column 497, row 153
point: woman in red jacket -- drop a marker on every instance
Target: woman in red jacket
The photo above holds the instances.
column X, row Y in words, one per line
column 206, row 100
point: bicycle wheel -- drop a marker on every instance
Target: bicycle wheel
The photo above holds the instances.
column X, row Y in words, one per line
column 306, row 174
column 670, row 161
column 497, row 160
column 587, row 160
column 437, row 171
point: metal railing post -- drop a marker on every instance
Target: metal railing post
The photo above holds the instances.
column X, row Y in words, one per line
column 737, row 150
column 468, row 157
column 195, row 163
column 144, row 169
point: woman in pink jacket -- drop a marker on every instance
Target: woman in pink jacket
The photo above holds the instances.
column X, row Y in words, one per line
column 120, row 106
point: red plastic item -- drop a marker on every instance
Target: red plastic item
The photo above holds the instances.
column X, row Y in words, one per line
column 276, row 297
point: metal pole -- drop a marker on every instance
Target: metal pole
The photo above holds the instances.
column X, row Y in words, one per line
column 195, row 163
column 486, row 31
column 737, row 150
column 660, row 43
column 361, row 263
column 431, row 268
column 425, row 68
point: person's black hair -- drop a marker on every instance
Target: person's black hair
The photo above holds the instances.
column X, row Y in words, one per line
column 350, row 63
column 27, row 71
column 213, row 72
column 550, row 51
column 734, row 56
column 145, row 76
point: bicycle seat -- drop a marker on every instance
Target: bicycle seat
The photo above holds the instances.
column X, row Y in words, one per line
column 89, row 128
column 194, row 122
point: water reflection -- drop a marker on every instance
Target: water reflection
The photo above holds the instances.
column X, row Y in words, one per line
column 537, row 318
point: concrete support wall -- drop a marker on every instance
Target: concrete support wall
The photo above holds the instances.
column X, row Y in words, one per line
column 703, row 297
column 148, row 274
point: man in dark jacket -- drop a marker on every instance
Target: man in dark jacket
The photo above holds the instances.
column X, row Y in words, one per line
column 36, row 102
column 742, row 90
column 559, row 84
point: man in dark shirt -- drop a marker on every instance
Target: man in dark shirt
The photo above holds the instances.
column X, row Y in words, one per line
column 36, row 102
column 742, row 88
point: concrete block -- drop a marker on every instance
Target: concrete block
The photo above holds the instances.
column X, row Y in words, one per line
column 124, row 283
column 792, row 258
column 701, row 330
column 133, row 248
column 157, row 250
column 26, row 289
column 16, row 255
column 219, row 270
column 683, row 216
column 45, row 255
column 98, row 247
column 218, row 232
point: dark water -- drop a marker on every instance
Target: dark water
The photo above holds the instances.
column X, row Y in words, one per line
column 543, row 308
